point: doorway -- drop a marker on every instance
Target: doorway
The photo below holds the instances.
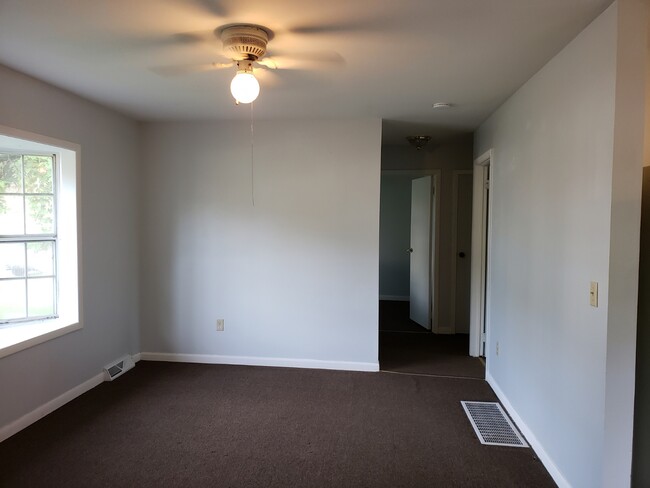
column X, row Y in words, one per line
column 417, row 332
column 409, row 229
column 481, row 225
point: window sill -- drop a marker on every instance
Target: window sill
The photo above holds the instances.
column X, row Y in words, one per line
column 23, row 336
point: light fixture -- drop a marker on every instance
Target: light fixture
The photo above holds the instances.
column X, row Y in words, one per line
column 244, row 86
column 418, row 141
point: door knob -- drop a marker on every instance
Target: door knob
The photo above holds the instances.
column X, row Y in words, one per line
column 461, row 254
column 409, row 250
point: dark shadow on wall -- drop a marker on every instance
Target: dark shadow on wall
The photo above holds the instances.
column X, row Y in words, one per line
column 641, row 450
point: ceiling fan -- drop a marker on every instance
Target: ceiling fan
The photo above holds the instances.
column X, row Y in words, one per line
column 245, row 46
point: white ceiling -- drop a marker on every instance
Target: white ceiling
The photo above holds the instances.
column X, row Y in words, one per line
column 400, row 56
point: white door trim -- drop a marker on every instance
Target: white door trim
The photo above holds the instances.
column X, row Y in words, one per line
column 435, row 241
column 451, row 329
column 481, row 238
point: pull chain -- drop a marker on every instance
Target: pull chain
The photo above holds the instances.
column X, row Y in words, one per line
column 252, row 159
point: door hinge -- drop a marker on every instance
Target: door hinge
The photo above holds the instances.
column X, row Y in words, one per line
column 483, row 337
column 487, row 184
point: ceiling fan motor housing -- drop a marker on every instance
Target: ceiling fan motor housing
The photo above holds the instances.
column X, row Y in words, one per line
column 244, row 42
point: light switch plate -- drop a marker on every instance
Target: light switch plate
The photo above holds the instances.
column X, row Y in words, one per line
column 593, row 294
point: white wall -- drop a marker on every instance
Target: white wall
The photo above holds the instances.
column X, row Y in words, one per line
column 395, row 235
column 566, row 212
column 453, row 155
column 646, row 138
column 109, row 232
column 295, row 276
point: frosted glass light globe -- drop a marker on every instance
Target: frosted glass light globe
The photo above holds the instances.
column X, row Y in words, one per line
column 244, row 87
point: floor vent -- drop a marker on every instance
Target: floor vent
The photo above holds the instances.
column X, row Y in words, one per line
column 492, row 425
column 118, row 368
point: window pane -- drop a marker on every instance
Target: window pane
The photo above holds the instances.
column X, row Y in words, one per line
column 12, row 299
column 40, row 297
column 40, row 258
column 11, row 174
column 12, row 215
column 40, row 214
column 12, row 260
column 38, row 174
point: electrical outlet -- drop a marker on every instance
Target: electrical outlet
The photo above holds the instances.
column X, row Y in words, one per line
column 220, row 325
column 497, row 348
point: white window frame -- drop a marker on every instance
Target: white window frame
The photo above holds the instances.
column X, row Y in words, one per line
column 17, row 336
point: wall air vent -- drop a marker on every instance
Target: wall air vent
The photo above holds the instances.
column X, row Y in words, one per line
column 118, row 368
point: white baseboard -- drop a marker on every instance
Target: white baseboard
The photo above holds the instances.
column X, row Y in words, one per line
column 543, row 456
column 259, row 361
column 395, row 298
column 49, row 407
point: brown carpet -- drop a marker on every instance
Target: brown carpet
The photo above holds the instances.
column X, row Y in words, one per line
column 394, row 316
column 406, row 347
column 443, row 355
column 188, row 425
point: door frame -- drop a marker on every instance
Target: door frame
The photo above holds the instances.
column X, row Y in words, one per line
column 479, row 318
column 434, row 278
column 454, row 242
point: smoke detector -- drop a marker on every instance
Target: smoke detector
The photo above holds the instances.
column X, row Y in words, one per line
column 244, row 41
column 442, row 105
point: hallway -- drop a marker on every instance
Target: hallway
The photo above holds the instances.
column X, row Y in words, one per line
column 406, row 347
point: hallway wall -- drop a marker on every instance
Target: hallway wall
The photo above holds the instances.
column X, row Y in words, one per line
column 456, row 154
column 566, row 188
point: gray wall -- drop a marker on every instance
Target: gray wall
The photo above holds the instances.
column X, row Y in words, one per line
column 456, row 154
column 641, row 467
column 568, row 150
column 109, row 233
column 295, row 275
column 394, row 235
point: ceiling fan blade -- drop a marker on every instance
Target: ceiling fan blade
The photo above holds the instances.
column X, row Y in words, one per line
column 268, row 78
column 213, row 7
column 169, row 71
column 350, row 26
column 267, row 62
column 303, row 60
column 159, row 41
column 327, row 57
column 288, row 78
column 194, row 37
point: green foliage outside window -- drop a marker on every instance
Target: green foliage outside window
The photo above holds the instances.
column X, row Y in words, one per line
column 29, row 174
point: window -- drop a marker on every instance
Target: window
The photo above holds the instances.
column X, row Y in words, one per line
column 40, row 296
column 28, row 238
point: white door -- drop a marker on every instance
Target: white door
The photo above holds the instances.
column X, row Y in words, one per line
column 420, row 250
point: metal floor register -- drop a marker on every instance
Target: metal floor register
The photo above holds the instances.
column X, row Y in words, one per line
column 492, row 425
